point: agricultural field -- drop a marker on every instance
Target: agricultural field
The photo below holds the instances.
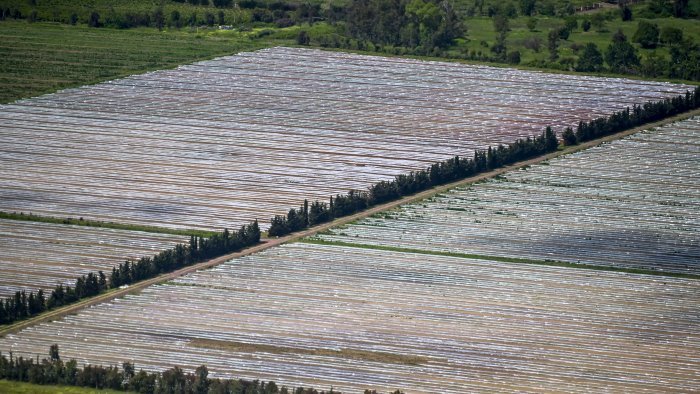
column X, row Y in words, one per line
column 354, row 318
column 633, row 203
column 222, row 142
column 40, row 58
column 40, row 255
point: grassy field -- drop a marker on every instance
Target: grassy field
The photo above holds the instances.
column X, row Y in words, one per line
column 481, row 30
column 37, row 58
column 8, row 387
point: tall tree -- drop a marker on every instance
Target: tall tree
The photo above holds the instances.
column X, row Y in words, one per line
column 621, row 56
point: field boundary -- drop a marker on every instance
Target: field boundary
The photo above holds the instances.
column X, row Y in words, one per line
column 501, row 259
column 272, row 242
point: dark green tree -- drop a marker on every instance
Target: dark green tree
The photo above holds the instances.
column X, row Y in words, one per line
column 647, row 34
column 671, row 35
column 553, row 44
column 591, row 60
column 94, row 20
column 621, row 56
column 53, row 353
column 527, row 7
column 680, row 8
column 625, row 13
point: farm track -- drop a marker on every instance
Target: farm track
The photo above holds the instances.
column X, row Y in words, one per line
column 269, row 243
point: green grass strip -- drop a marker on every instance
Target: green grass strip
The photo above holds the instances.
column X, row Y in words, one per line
column 12, row 387
column 551, row 263
column 95, row 223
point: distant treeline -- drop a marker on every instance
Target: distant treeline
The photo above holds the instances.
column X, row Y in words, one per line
column 23, row 305
column 53, row 371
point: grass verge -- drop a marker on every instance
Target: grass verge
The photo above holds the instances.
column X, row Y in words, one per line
column 552, row 263
column 95, row 223
column 27, row 388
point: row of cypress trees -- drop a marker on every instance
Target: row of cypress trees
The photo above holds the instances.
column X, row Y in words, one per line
column 458, row 167
column 437, row 174
column 23, row 305
column 627, row 119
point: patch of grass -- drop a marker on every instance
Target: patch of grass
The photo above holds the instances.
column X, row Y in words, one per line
column 95, row 223
column 553, row 263
column 353, row 354
column 38, row 58
column 9, row 387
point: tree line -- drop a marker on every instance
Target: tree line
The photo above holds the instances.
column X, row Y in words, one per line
column 23, row 305
column 456, row 168
column 627, row 119
column 438, row 173
column 52, row 371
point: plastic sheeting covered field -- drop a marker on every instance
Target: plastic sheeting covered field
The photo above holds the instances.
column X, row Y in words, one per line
column 356, row 318
column 41, row 255
column 219, row 143
column 633, row 203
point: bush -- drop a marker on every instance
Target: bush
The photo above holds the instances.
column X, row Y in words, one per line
column 532, row 24
column 303, row 38
column 94, row 20
column 626, row 13
column 671, row 35
column 513, row 57
column 647, row 35
column 533, row 43
column 586, row 25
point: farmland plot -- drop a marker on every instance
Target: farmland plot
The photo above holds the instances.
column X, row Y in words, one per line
column 41, row 255
column 634, row 203
column 219, row 143
column 356, row 318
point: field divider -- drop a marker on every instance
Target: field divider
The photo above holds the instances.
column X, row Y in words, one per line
column 501, row 259
column 298, row 236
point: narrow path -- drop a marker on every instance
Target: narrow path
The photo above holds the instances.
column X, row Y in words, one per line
column 272, row 242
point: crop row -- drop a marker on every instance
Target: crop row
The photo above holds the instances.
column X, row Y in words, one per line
column 354, row 318
column 41, row 255
column 633, row 203
column 219, row 143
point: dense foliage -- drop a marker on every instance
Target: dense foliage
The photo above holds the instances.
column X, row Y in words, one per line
column 638, row 115
column 414, row 24
column 425, row 27
column 23, row 305
column 53, row 370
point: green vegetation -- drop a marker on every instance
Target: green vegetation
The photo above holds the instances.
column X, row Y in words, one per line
column 48, row 45
column 353, row 354
column 37, row 58
column 53, row 370
column 95, row 223
column 552, row 263
column 29, row 388
column 23, row 305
